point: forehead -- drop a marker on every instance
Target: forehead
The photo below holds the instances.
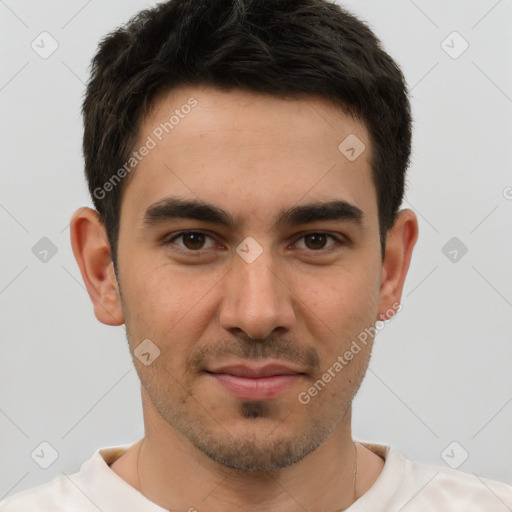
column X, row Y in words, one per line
column 251, row 154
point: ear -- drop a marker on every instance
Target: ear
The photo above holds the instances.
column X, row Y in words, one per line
column 92, row 253
column 400, row 242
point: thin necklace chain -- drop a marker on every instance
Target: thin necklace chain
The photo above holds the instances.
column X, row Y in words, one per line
column 354, row 495
column 354, row 479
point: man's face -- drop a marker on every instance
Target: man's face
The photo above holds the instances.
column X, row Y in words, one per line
column 259, row 297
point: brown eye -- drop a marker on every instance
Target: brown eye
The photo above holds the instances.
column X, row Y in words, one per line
column 315, row 241
column 318, row 241
column 192, row 241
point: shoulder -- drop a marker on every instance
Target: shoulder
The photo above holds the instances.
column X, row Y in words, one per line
column 455, row 489
column 413, row 485
column 77, row 492
column 58, row 495
column 467, row 490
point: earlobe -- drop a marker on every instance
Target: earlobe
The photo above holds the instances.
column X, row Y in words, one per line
column 400, row 242
column 92, row 253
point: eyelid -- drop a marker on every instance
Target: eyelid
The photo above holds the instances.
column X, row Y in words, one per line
column 169, row 240
column 340, row 240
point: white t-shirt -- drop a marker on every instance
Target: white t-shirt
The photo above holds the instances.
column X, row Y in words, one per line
column 403, row 485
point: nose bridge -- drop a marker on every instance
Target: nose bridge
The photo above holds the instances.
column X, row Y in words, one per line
column 258, row 279
column 256, row 301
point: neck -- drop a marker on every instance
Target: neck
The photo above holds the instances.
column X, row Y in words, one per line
column 179, row 477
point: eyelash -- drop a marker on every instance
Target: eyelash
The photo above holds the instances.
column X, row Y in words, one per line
column 339, row 241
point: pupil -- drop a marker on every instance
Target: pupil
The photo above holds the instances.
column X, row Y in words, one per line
column 193, row 240
column 315, row 241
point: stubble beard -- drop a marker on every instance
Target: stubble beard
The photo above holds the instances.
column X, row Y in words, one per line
column 255, row 450
column 269, row 439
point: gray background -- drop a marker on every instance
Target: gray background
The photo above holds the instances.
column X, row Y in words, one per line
column 440, row 371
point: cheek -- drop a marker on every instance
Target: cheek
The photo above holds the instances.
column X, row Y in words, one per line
column 345, row 296
column 338, row 310
column 169, row 306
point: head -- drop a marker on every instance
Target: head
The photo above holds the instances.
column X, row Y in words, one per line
column 247, row 164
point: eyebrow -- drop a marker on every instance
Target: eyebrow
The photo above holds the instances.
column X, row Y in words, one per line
column 172, row 208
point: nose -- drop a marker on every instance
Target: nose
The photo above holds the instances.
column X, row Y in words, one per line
column 257, row 303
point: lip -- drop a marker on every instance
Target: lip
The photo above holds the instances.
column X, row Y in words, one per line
column 256, row 383
column 255, row 372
